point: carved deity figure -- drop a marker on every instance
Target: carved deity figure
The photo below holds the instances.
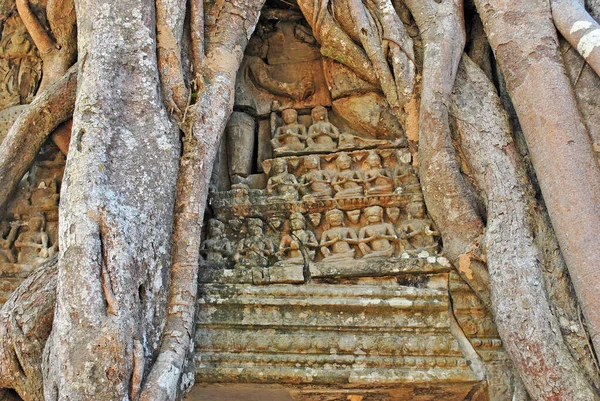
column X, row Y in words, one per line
column 405, row 178
column 282, row 185
column 353, row 216
column 256, row 250
column 322, row 135
column 291, row 135
column 8, row 233
column 417, row 230
column 377, row 238
column 33, row 245
column 347, row 183
column 336, row 243
column 317, row 182
column 292, row 243
column 217, row 249
column 377, row 179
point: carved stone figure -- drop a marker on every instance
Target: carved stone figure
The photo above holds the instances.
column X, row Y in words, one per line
column 315, row 219
column 8, row 233
column 377, row 179
column 417, row 231
column 256, row 250
column 377, row 239
column 217, row 249
column 33, row 245
column 347, row 183
column 353, row 216
column 317, row 182
column 282, row 185
column 336, row 243
column 291, row 135
column 292, row 243
column 322, row 135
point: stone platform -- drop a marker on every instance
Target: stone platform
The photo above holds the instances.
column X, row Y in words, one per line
column 374, row 339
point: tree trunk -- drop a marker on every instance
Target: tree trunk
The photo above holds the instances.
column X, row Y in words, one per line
column 526, row 48
column 529, row 330
column 116, row 211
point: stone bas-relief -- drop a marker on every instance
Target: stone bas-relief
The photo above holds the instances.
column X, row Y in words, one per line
column 29, row 230
column 321, row 268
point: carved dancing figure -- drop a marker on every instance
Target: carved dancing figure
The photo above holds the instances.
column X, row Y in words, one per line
column 336, row 242
column 417, row 231
column 282, row 185
column 256, row 250
column 292, row 243
column 217, row 249
column 322, row 135
column 377, row 179
column 291, row 135
column 317, row 181
column 34, row 245
column 347, row 183
column 377, row 239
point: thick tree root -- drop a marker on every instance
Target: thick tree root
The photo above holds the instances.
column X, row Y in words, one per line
column 30, row 131
column 25, row 324
column 448, row 199
column 526, row 47
column 529, row 330
column 207, row 119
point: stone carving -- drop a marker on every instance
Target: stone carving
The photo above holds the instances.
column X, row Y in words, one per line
column 317, row 182
column 20, row 66
column 377, row 239
column 299, row 243
column 291, row 135
column 336, row 242
column 347, row 183
column 417, row 231
column 282, row 185
column 33, row 245
column 322, row 135
column 8, row 234
column 256, row 250
column 377, row 179
column 217, row 249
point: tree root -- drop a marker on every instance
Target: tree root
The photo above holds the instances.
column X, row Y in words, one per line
column 449, row 201
column 31, row 129
column 558, row 142
column 530, row 332
column 25, row 324
column 579, row 28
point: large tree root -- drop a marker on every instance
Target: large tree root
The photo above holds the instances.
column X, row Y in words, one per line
column 448, row 199
column 526, row 47
column 25, row 323
column 30, row 131
column 202, row 133
column 579, row 28
column 529, row 330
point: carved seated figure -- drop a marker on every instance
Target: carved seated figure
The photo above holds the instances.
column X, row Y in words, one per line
column 217, row 249
column 316, row 181
column 292, row 244
column 347, row 183
column 256, row 250
column 282, row 185
column 291, row 135
column 33, row 245
column 377, row 179
column 377, row 239
column 7, row 238
column 417, row 231
column 405, row 178
column 322, row 135
column 336, row 242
